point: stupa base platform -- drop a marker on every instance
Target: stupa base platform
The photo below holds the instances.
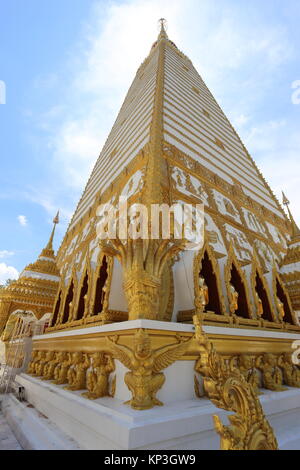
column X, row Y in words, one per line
column 59, row 418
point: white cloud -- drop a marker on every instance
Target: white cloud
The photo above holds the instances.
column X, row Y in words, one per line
column 7, row 272
column 274, row 145
column 6, row 254
column 22, row 220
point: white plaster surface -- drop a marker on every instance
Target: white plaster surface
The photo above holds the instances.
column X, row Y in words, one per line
column 117, row 300
column 8, row 440
column 108, row 424
column 183, row 284
column 36, row 275
column 169, row 326
column 31, row 429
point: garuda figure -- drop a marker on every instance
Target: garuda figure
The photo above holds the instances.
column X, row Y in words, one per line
column 145, row 377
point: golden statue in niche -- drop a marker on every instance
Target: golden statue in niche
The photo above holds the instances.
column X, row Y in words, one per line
column 233, row 301
column 280, row 308
column 97, row 381
column 260, row 308
column 145, row 377
column 202, row 298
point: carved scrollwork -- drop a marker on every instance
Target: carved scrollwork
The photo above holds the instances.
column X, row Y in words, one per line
column 227, row 388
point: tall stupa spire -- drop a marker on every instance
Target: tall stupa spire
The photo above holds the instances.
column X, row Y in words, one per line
column 295, row 228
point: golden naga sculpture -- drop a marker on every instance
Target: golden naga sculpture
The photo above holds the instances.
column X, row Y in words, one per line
column 50, row 366
column 97, row 380
column 143, row 263
column 233, row 301
column 77, row 372
column 271, row 374
column 60, row 373
column 245, row 364
column 202, row 298
column 227, row 388
column 145, row 377
column 291, row 373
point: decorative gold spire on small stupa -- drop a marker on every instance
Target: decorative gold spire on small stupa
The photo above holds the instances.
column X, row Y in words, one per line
column 55, row 222
column 163, row 32
column 295, row 228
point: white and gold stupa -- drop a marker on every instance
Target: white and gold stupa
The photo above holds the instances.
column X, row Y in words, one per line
column 121, row 340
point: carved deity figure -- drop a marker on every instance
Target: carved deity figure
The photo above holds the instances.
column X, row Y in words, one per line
column 31, row 365
column 291, row 373
column 71, row 312
column 50, row 366
column 77, row 373
column 202, row 298
column 145, row 377
column 280, row 308
column 97, row 381
column 40, row 368
column 272, row 376
column 39, row 363
column 233, row 301
column 246, row 367
column 61, row 369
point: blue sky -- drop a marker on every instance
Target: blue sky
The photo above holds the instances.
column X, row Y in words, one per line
column 67, row 65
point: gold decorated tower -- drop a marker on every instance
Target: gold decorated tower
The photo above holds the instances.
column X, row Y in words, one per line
column 171, row 143
column 121, row 324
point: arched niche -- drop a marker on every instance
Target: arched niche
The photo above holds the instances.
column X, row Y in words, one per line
column 83, row 290
column 68, row 300
column 42, row 324
column 206, row 266
column 56, row 310
column 235, row 276
column 102, row 284
column 261, row 293
column 281, row 293
column 12, row 322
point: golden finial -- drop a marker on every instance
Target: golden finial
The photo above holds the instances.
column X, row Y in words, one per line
column 286, row 202
column 163, row 26
column 55, row 222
